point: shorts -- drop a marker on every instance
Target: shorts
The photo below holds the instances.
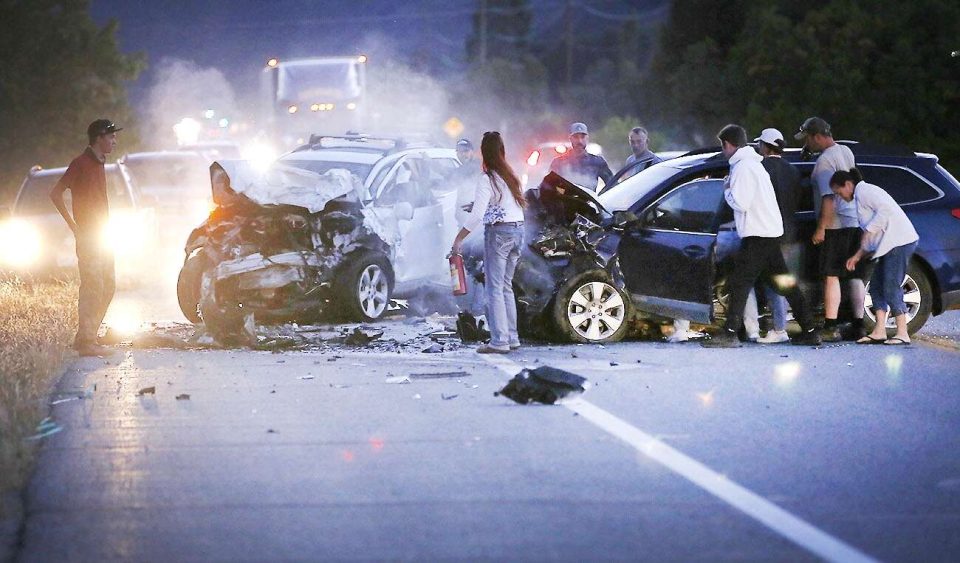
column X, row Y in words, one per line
column 838, row 246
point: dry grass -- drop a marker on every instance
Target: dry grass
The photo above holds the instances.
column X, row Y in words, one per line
column 37, row 323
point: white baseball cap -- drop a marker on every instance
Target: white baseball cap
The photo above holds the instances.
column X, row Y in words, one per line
column 771, row 136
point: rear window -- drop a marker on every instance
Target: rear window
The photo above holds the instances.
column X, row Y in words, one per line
column 903, row 185
column 34, row 198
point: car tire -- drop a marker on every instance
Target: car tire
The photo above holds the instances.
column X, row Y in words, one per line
column 602, row 309
column 918, row 295
column 364, row 287
column 188, row 286
column 223, row 321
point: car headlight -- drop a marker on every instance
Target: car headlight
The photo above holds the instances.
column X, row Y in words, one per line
column 125, row 233
column 20, row 243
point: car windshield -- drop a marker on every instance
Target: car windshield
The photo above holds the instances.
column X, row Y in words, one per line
column 324, row 166
column 626, row 193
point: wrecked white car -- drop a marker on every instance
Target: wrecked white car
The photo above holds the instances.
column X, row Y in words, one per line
column 290, row 244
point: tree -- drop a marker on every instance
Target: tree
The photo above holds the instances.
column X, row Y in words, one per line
column 60, row 71
column 500, row 30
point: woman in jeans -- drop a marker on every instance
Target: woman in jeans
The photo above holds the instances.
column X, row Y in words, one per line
column 498, row 206
column 891, row 239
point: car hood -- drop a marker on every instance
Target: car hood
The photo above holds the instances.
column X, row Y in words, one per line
column 571, row 198
column 286, row 185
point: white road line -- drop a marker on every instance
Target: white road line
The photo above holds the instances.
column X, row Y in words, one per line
column 753, row 505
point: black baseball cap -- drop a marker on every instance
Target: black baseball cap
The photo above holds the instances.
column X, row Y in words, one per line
column 813, row 126
column 102, row 127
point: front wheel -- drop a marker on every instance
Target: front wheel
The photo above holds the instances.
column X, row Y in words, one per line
column 917, row 295
column 589, row 308
column 364, row 287
column 188, row 286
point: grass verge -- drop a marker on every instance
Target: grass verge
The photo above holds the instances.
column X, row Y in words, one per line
column 37, row 323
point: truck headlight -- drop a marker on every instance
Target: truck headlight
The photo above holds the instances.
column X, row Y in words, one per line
column 20, row 243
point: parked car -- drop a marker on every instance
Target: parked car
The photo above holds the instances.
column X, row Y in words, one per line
column 657, row 245
column 341, row 225
column 36, row 240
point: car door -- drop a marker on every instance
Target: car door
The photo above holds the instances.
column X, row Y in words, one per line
column 668, row 258
column 420, row 247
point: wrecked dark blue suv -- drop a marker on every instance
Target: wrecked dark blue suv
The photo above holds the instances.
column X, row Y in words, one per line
column 658, row 244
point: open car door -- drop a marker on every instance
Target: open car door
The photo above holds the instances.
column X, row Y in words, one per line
column 669, row 256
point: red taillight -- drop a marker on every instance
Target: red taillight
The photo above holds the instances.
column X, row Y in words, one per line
column 534, row 158
column 955, row 213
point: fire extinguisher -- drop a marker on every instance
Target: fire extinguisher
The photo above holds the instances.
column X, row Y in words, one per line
column 458, row 275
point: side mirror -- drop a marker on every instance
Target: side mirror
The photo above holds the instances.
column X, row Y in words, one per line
column 624, row 219
column 403, row 211
column 4, row 212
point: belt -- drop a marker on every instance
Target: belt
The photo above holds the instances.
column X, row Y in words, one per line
column 509, row 223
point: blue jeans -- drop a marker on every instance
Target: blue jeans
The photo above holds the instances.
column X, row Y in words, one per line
column 886, row 283
column 501, row 252
column 475, row 300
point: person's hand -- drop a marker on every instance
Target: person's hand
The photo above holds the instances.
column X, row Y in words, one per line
column 852, row 262
column 455, row 249
column 818, row 236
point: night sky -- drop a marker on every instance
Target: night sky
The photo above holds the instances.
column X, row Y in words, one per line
column 238, row 36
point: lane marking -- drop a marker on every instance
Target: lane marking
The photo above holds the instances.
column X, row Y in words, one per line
column 753, row 505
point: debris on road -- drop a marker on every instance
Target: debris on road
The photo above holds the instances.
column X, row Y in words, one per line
column 152, row 390
column 47, row 427
column 440, row 375
column 433, row 349
column 544, row 385
column 361, row 337
column 470, row 330
column 306, row 377
column 448, row 397
column 183, row 397
column 416, row 396
column 398, row 379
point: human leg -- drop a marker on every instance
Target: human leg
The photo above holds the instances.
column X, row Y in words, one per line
column 494, row 265
column 751, row 316
column 515, row 239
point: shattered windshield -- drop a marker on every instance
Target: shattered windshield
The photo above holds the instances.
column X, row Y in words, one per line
column 625, row 194
column 323, row 166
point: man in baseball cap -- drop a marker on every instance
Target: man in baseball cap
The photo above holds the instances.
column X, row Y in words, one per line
column 579, row 166
column 87, row 182
column 811, row 127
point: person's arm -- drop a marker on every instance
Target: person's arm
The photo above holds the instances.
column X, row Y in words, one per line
column 475, row 218
column 740, row 191
column 861, row 252
column 56, row 196
column 828, row 205
column 605, row 173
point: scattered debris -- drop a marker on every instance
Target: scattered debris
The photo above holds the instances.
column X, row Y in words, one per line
column 152, row 390
column 448, row 397
column 47, row 427
column 416, row 396
column 398, row 379
column 183, row 397
column 66, row 400
column 614, row 364
column 439, row 375
column 544, row 385
column 339, row 386
column 470, row 330
column 433, row 349
column 360, row 337
column 306, row 377
column 272, row 431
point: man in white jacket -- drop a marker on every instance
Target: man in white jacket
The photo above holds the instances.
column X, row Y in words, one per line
column 750, row 193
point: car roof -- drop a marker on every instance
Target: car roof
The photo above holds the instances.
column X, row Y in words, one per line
column 357, row 155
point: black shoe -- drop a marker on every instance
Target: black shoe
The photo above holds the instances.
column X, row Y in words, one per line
column 723, row 339
column 807, row 338
column 831, row 334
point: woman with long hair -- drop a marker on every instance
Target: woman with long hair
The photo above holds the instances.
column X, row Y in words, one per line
column 498, row 206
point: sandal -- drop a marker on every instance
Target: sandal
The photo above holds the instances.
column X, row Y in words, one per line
column 870, row 340
column 895, row 341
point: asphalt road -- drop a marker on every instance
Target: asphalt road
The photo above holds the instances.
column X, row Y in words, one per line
column 845, row 450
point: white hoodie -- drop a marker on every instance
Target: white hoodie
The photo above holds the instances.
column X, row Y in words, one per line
column 750, row 193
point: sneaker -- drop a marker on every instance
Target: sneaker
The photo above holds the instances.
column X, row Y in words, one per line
column 831, row 334
column 488, row 349
column 774, row 337
column 807, row 338
column 723, row 339
column 678, row 336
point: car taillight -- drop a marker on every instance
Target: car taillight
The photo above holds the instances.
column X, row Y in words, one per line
column 534, row 158
column 955, row 213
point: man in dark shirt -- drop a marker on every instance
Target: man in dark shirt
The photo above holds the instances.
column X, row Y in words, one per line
column 87, row 182
column 579, row 166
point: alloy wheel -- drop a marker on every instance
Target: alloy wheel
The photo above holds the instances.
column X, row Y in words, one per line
column 912, row 298
column 596, row 310
column 373, row 291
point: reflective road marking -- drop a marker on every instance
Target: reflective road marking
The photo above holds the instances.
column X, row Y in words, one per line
column 753, row 505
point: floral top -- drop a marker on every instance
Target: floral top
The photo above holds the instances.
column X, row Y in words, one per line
column 493, row 205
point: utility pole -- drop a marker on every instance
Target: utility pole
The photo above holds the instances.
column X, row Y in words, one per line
column 483, row 32
column 568, row 39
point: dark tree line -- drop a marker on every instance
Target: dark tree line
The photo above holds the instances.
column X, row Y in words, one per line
column 59, row 72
